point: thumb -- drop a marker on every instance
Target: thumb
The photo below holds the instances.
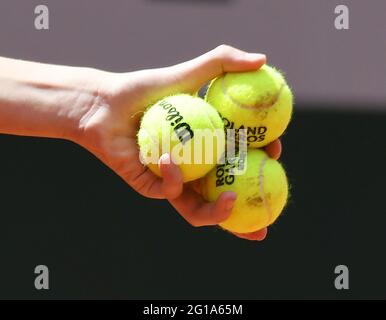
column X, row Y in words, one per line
column 193, row 74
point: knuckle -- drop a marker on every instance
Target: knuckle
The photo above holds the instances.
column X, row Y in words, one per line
column 224, row 50
column 171, row 195
column 195, row 223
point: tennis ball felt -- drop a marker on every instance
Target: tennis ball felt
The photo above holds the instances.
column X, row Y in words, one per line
column 187, row 128
column 258, row 101
column 262, row 190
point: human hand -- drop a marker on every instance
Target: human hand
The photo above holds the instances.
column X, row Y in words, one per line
column 109, row 126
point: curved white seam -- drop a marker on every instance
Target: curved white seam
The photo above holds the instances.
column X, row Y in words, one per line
column 261, row 188
column 244, row 106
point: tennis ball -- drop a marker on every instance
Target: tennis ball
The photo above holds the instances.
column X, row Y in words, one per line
column 258, row 101
column 261, row 186
column 189, row 129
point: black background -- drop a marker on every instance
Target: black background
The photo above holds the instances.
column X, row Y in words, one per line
column 62, row 208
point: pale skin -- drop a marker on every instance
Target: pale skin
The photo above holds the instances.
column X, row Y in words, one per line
column 101, row 110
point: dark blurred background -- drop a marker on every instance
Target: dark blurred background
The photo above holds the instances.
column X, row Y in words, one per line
column 61, row 207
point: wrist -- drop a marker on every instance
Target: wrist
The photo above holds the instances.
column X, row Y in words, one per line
column 88, row 97
column 46, row 100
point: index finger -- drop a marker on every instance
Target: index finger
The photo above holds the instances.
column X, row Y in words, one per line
column 194, row 209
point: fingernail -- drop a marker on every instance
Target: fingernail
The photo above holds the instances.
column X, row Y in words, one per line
column 232, row 196
column 229, row 205
column 256, row 56
column 165, row 158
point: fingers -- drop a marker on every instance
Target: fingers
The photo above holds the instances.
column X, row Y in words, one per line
column 189, row 76
column 253, row 236
column 146, row 183
column 172, row 180
column 187, row 201
column 195, row 210
column 200, row 213
column 170, row 186
column 225, row 58
column 274, row 149
column 193, row 74
column 195, row 185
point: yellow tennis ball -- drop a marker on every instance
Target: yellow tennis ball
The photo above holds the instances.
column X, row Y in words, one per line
column 187, row 128
column 262, row 190
column 258, row 101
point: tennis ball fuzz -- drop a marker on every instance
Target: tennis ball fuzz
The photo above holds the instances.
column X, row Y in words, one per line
column 258, row 101
column 261, row 186
column 187, row 128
